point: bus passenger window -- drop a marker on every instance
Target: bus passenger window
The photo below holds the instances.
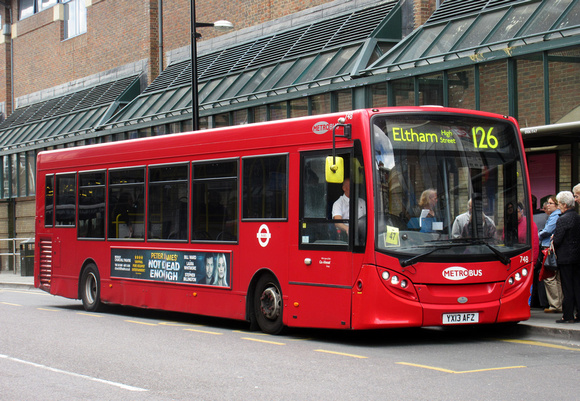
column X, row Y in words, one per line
column 126, row 209
column 49, row 201
column 265, row 187
column 214, row 214
column 167, row 200
column 65, row 202
column 91, row 218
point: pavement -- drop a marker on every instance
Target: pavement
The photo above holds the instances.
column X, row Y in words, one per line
column 540, row 324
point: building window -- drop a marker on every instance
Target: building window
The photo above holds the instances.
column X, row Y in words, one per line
column 26, row 8
column 75, row 18
column 299, row 107
column 14, row 175
column 45, row 4
column 22, row 174
column 320, row 104
column 31, row 7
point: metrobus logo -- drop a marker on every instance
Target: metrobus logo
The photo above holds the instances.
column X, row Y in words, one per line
column 456, row 273
column 322, row 127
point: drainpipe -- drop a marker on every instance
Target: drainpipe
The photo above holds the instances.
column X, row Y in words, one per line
column 160, row 27
column 8, row 7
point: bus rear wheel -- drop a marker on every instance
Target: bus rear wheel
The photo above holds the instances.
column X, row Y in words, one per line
column 91, row 288
column 268, row 305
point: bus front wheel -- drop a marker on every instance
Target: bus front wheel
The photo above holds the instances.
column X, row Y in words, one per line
column 90, row 288
column 268, row 305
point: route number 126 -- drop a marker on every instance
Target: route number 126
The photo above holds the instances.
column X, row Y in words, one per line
column 482, row 139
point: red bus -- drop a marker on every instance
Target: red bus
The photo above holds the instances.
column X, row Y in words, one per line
column 242, row 222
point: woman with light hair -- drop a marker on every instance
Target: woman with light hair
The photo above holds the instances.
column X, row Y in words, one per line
column 566, row 240
column 428, row 201
column 427, row 206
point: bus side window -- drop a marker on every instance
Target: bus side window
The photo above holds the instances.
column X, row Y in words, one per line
column 167, row 202
column 265, row 187
column 49, row 201
column 91, row 200
column 214, row 214
column 65, row 200
column 126, row 206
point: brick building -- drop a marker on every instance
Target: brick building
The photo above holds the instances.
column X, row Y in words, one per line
column 86, row 71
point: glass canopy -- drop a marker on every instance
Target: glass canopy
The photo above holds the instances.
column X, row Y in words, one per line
column 66, row 116
column 462, row 29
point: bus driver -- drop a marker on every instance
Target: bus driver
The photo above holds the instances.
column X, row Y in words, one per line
column 341, row 208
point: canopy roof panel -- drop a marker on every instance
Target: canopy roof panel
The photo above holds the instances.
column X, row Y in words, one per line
column 471, row 30
column 67, row 115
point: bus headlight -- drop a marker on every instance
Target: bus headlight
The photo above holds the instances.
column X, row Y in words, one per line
column 398, row 284
column 518, row 276
column 511, row 280
column 524, row 272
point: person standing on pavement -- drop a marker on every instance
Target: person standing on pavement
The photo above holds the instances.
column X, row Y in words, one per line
column 552, row 284
column 566, row 240
column 576, row 191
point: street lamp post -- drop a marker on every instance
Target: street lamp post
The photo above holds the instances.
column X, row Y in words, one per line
column 219, row 25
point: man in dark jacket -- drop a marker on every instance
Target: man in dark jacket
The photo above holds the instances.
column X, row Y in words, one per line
column 567, row 246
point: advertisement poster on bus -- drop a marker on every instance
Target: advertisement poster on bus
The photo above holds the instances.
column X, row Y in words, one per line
column 185, row 267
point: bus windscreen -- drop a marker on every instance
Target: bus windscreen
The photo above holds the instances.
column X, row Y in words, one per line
column 455, row 184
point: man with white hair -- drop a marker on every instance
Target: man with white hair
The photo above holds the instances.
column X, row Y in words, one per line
column 462, row 225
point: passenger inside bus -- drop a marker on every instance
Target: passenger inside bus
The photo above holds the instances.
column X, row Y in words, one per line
column 462, row 227
column 426, row 216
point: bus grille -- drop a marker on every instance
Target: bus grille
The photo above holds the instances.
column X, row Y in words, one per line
column 45, row 262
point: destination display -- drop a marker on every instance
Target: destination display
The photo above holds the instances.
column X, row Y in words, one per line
column 462, row 134
column 191, row 267
column 478, row 137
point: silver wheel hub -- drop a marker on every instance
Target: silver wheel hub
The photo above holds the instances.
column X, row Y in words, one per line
column 270, row 303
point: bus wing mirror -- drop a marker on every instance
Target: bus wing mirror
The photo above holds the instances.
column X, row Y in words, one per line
column 334, row 170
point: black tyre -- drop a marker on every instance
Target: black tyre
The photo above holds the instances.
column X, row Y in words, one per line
column 268, row 305
column 90, row 288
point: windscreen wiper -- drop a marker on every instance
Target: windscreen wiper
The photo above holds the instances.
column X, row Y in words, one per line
column 502, row 258
column 478, row 241
column 456, row 242
column 414, row 259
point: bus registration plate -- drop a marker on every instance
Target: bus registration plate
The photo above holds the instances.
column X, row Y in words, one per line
column 460, row 318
